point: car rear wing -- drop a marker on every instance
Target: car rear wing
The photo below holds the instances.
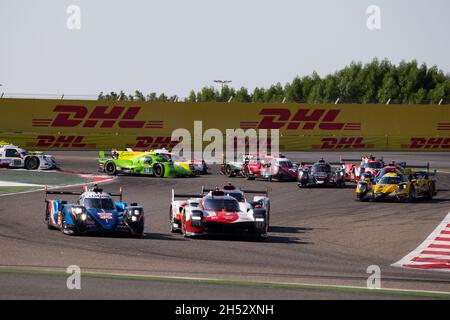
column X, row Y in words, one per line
column 310, row 163
column 79, row 193
column 264, row 192
column 350, row 160
column 184, row 195
column 427, row 167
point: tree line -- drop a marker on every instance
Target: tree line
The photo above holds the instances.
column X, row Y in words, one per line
column 374, row 82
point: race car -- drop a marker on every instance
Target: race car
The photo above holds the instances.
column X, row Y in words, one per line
column 234, row 168
column 95, row 211
column 144, row 163
column 401, row 168
column 355, row 168
column 262, row 166
column 277, row 168
column 260, row 201
column 320, row 173
column 397, row 186
column 219, row 212
column 248, row 166
column 12, row 156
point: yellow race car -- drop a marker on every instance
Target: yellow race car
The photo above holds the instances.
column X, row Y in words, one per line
column 397, row 186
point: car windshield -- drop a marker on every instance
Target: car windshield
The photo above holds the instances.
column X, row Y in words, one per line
column 221, row 204
column 174, row 157
column 237, row 195
column 384, row 171
column 285, row 164
column 163, row 158
column 390, row 180
column 321, row 167
column 373, row 165
column 420, row 176
column 97, row 203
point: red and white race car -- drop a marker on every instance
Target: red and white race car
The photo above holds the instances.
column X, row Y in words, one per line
column 356, row 168
column 270, row 168
column 220, row 211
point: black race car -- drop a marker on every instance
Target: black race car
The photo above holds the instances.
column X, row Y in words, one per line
column 320, row 173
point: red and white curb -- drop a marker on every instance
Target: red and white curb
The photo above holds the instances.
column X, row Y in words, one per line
column 433, row 253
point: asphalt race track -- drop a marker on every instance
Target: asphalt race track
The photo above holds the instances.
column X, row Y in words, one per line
column 317, row 236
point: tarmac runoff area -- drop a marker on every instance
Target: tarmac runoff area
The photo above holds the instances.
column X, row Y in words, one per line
column 18, row 181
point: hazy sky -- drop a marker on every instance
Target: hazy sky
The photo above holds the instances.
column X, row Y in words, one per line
column 174, row 46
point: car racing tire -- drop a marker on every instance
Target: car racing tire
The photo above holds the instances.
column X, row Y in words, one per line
column 64, row 229
column 158, row 170
column 140, row 232
column 431, row 192
column 228, row 171
column 111, row 168
column 47, row 219
column 361, row 198
column 261, row 236
column 171, row 228
column 183, row 226
column 32, row 163
column 412, row 196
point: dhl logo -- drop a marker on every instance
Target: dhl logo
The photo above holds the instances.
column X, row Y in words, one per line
column 145, row 143
column 73, row 142
column 303, row 119
column 428, row 143
column 343, row 143
column 100, row 117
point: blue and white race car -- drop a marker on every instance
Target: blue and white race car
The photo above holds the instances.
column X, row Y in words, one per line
column 95, row 211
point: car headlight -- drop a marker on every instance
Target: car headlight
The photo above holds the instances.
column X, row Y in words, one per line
column 77, row 210
column 83, row 217
column 401, row 187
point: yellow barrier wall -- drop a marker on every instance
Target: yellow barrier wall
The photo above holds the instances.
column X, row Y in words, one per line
column 91, row 125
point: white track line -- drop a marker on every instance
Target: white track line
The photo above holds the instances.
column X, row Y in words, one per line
column 60, row 187
column 433, row 253
column 18, row 184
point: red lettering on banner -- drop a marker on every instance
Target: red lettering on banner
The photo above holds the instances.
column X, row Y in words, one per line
column 328, row 143
column 429, row 143
column 268, row 122
column 144, row 143
column 307, row 116
column 343, row 143
column 101, row 116
column 45, row 141
column 61, row 142
column 64, row 119
column 306, row 119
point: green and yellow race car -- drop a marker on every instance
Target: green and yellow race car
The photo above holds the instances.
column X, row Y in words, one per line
column 397, row 186
column 143, row 163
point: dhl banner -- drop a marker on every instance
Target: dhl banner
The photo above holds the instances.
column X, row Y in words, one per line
column 93, row 125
